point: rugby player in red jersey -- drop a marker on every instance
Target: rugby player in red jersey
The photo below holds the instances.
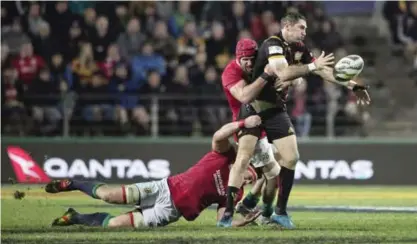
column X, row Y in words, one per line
column 165, row 201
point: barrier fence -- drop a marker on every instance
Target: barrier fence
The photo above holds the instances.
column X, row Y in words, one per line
column 122, row 160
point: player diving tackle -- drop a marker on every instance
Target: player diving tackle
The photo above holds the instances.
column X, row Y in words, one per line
column 162, row 202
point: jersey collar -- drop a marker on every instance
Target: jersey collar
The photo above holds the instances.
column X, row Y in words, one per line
column 280, row 36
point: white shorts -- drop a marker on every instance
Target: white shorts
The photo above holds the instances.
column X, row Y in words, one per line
column 156, row 204
column 264, row 153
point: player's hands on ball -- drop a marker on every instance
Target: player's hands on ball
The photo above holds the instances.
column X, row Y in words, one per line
column 252, row 121
column 324, row 62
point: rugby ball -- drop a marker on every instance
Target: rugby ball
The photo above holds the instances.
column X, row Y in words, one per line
column 348, row 68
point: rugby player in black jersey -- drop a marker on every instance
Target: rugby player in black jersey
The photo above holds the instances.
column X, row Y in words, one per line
column 278, row 52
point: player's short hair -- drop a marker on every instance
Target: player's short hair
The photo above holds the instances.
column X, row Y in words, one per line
column 292, row 18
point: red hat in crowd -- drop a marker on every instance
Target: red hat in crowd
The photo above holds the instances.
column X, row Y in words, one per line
column 246, row 48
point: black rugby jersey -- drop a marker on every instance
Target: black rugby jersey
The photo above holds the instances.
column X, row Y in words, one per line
column 276, row 47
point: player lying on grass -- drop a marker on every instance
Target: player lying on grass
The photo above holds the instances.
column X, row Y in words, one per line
column 165, row 201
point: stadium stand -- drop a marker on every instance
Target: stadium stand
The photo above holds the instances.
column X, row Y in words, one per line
column 152, row 68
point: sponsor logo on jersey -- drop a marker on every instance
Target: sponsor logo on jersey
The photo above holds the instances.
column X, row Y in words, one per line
column 275, row 50
column 297, row 56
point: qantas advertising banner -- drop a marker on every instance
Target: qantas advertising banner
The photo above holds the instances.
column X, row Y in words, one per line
column 322, row 163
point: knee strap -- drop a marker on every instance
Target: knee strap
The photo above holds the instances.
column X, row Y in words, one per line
column 136, row 219
column 131, row 194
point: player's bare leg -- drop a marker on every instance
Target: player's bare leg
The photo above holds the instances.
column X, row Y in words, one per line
column 123, row 194
column 245, row 151
column 72, row 217
column 252, row 198
column 288, row 150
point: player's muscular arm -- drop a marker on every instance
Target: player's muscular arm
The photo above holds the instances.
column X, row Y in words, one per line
column 359, row 90
column 220, row 142
column 247, row 93
column 328, row 76
column 239, row 222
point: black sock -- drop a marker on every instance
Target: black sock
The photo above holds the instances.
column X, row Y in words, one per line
column 95, row 219
column 231, row 196
column 285, row 182
column 88, row 187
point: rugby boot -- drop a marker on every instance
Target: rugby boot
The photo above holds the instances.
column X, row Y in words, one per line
column 262, row 220
column 66, row 219
column 57, row 186
column 225, row 221
column 283, row 220
column 242, row 209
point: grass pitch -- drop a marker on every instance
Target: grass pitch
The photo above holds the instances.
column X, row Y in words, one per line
column 28, row 220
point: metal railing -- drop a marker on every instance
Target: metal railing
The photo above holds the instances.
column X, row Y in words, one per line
column 157, row 105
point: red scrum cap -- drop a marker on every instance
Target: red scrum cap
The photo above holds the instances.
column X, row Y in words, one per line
column 245, row 48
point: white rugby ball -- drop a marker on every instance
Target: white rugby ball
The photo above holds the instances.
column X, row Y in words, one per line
column 348, row 68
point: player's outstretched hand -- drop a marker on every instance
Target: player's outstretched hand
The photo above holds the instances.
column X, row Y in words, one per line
column 252, row 121
column 362, row 94
column 324, row 62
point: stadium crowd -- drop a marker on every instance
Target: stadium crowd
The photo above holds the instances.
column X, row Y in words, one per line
column 402, row 21
column 103, row 66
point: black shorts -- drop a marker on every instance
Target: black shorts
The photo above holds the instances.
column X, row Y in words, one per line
column 276, row 123
column 245, row 111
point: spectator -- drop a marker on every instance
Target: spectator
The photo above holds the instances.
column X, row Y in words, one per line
column 183, row 15
column 392, row 11
column 154, row 88
column 189, row 44
column 83, row 67
column 407, row 33
column 239, row 21
column 79, row 7
column 60, row 21
column 59, row 71
column 165, row 9
column 198, row 69
column 182, row 110
column 218, row 47
column 45, row 45
column 122, row 18
column 113, row 57
column 300, row 112
column 327, row 39
column 28, row 64
column 126, row 88
column 147, row 61
column 273, row 29
column 14, row 37
column 33, row 21
column 132, row 40
column 98, row 100
column 6, row 58
column 44, row 97
column 90, row 18
column 245, row 34
column 164, row 44
column 211, row 111
column 102, row 38
column 267, row 19
column 13, row 110
column 149, row 18
column 76, row 38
